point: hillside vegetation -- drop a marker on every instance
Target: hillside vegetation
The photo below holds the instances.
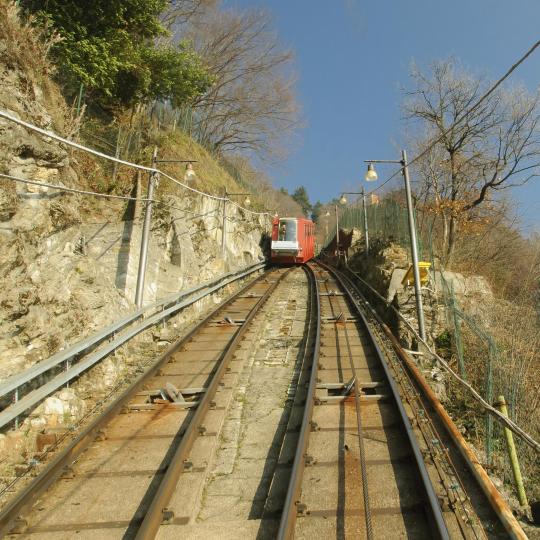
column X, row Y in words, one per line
column 125, row 91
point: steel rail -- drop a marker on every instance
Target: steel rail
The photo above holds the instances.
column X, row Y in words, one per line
column 33, row 398
column 289, row 513
column 24, row 500
column 435, row 515
column 499, row 505
column 154, row 514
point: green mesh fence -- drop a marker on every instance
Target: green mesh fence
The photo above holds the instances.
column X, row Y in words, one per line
column 387, row 219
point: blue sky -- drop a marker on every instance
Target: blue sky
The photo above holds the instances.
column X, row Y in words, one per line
column 353, row 58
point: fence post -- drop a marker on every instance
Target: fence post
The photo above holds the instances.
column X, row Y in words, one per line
column 79, row 99
column 143, row 257
column 366, row 230
column 489, row 398
column 500, row 404
column 457, row 333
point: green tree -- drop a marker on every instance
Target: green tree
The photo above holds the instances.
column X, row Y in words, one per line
column 300, row 195
column 109, row 46
column 316, row 211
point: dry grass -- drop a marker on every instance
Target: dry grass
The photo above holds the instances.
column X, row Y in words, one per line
column 23, row 44
column 25, row 48
column 515, row 375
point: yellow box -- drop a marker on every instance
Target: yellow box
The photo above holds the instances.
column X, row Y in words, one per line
column 423, row 268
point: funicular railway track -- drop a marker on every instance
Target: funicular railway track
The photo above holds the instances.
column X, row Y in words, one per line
column 118, row 475
column 357, row 455
column 372, row 459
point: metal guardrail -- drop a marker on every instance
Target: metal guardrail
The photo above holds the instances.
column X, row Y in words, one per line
column 169, row 305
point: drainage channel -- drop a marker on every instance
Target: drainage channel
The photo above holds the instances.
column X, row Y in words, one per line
column 116, row 479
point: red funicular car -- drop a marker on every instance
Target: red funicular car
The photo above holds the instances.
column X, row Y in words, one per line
column 293, row 240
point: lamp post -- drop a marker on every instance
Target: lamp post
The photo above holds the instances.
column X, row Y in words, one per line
column 247, row 202
column 152, row 182
column 343, row 200
column 143, row 256
column 337, row 231
column 190, row 171
column 371, row 175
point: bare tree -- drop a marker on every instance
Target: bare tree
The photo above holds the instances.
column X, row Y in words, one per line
column 180, row 12
column 276, row 201
column 252, row 105
column 496, row 146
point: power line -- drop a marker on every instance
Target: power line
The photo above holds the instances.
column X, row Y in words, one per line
column 73, row 190
column 466, row 113
column 385, row 182
column 78, row 146
column 114, row 159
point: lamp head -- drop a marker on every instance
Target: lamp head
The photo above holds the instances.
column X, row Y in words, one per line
column 371, row 174
column 190, row 173
column 343, row 200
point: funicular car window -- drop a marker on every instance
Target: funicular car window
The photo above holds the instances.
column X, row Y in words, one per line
column 287, row 230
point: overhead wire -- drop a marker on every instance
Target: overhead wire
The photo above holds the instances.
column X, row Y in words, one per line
column 114, row 159
column 97, row 153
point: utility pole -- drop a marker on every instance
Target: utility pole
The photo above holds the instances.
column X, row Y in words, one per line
column 366, row 232
column 143, row 257
column 224, row 228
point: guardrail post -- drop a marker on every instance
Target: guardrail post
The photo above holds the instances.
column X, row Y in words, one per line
column 15, row 399
column 500, row 404
column 143, row 258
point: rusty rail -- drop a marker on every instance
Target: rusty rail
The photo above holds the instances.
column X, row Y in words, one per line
column 492, row 494
column 436, row 518
column 288, row 516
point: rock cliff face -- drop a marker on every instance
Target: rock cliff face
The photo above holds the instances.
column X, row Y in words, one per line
column 385, row 268
column 68, row 263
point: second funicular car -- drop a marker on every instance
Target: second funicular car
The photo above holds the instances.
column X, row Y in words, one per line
column 293, row 240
